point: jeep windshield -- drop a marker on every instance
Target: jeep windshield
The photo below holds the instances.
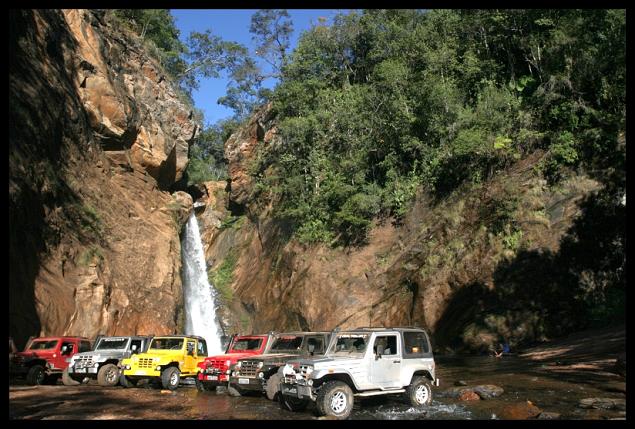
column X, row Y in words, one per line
column 349, row 343
column 287, row 343
column 246, row 344
column 167, row 344
column 43, row 345
column 112, row 344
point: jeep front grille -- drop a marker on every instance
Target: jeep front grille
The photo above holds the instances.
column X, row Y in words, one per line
column 145, row 363
column 84, row 361
column 218, row 364
column 248, row 368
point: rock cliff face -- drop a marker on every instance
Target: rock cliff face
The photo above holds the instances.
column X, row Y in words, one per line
column 442, row 268
column 98, row 137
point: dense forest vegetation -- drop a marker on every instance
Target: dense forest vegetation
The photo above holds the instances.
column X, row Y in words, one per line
column 382, row 104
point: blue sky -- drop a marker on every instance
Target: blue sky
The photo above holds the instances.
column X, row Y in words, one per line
column 233, row 25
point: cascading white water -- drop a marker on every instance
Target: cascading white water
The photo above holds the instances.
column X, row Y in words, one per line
column 200, row 302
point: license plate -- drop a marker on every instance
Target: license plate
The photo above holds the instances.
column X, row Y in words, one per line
column 212, row 377
column 82, row 370
column 243, row 381
column 139, row 372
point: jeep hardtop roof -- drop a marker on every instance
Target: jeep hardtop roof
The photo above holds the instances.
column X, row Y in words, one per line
column 179, row 336
column 58, row 338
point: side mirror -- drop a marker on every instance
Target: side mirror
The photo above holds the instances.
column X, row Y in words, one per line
column 311, row 348
column 380, row 351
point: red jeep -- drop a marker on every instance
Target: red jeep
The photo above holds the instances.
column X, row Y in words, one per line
column 214, row 370
column 44, row 359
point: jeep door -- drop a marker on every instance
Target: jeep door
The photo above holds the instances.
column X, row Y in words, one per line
column 385, row 361
column 190, row 360
column 66, row 349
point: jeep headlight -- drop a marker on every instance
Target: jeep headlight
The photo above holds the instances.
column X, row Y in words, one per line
column 287, row 369
column 238, row 365
column 228, row 362
column 309, row 370
column 260, row 364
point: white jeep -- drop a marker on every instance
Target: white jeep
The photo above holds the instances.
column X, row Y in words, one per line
column 362, row 362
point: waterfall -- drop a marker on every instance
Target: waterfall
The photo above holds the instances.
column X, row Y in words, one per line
column 200, row 302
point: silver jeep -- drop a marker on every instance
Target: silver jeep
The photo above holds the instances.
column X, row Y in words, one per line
column 102, row 362
column 362, row 362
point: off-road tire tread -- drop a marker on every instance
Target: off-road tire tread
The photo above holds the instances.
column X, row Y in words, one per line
column 324, row 391
column 31, row 375
column 165, row 378
column 410, row 390
column 101, row 375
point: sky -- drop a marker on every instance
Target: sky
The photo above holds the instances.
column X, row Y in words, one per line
column 233, row 25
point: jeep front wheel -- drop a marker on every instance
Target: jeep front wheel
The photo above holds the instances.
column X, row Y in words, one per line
column 419, row 392
column 204, row 387
column 35, row 376
column 234, row 391
column 67, row 380
column 127, row 382
column 293, row 404
column 108, row 375
column 335, row 398
column 170, row 378
column 273, row 386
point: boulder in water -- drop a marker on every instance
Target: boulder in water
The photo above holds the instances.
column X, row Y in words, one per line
column 488, row 391
column 520, row 411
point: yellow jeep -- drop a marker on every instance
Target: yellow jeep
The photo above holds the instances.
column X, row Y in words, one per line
column 167, row 359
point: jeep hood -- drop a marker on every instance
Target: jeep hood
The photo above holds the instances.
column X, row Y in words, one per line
column 101, row 354
column 325, row 360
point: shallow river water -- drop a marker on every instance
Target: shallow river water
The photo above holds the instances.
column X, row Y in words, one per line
column 521, row 379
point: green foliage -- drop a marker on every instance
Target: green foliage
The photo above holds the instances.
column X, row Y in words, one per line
column 207, row 159
column 158, row 28
column 90, row 255
column 385, row 102
column 222, row 277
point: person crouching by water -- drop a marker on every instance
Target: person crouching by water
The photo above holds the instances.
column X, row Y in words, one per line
column 502, row 349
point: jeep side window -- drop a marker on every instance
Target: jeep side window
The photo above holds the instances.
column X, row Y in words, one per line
column 84, row 346
column 415, row 344
column 389, row 344
column 136, row 343
column 190, row 348
column 67, row 348
column 318, row 344
column 202, row 348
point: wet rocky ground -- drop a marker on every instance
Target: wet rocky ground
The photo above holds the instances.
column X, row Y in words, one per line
column 574, row 378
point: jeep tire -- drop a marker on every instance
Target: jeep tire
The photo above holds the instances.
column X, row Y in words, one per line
column 67, row 380
column 234, row 391
column 204, row 387
column 419, row 393
column 335, row 398
column 170, row 378
column 291, row 403
column 36, row 375
column 108, row 375
column 273, row 386
column 126, row 381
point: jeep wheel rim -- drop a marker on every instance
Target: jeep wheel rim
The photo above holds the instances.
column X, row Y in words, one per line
column 40, row 377
column 112, row 376
column 174, row 379
column 338, row 402
column 422, row 394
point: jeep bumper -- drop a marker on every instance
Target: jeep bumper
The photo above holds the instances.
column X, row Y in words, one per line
column 247, row 383
column 86, row 372
column 215, row 378
column 297, row 391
